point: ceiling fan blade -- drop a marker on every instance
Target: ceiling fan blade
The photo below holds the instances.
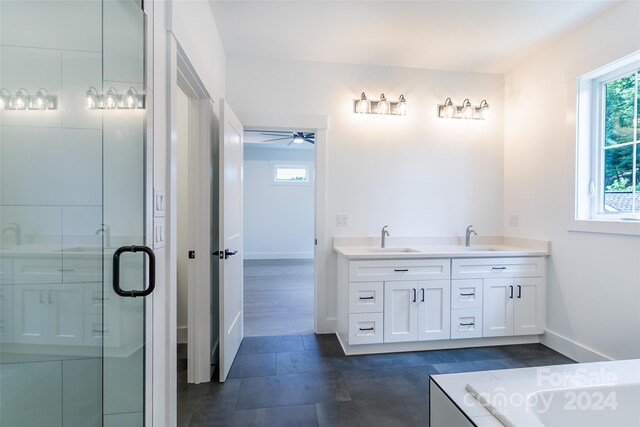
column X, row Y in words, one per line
column 310, row 141
column 276, row 133
column 290, row 142
column 276, row 139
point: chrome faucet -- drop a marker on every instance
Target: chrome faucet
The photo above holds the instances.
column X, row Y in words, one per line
column 106, row 231
column 467, row 240
column 17, row 232
column 383, row 236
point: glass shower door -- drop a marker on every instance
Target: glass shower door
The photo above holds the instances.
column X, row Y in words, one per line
column 72, row 191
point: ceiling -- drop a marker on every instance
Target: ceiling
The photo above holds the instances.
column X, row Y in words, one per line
column 464, row 35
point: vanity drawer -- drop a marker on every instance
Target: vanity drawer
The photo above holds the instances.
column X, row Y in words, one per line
column 466, row 323
column 480, row 268
column 365, row 328
column 366, row 297
column 399, row 269
column 466, row 293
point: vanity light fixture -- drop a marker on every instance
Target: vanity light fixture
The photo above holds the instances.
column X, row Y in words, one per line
column 112, row 100
column 42, row 101
column 465, row 111
column 382, row 106
column 5, row 98
column 22, row 100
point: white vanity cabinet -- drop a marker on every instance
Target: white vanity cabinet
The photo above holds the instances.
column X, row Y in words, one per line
column 394, row 300
column 416, row 310
column 513, row 293
column 428, row 303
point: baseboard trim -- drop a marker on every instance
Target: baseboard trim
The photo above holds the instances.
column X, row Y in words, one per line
column 278, row 255
column 572, row 349
column 182, row 335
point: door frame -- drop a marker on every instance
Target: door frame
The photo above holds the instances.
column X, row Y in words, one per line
column 319, row 125
column 200, row 178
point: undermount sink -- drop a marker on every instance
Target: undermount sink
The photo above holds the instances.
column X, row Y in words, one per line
column 392, row 250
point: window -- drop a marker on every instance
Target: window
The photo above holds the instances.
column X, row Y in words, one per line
column 608, row 161
column 291, row 174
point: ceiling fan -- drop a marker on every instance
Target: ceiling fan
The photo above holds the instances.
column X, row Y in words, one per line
column 292, row 137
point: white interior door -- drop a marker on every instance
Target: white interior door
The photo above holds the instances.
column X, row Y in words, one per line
column 230, row 246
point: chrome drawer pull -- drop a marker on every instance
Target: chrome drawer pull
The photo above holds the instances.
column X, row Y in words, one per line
column 399, row 270
column 468, row 295
column 498, row 268
column 467, row 324
column 365, row 298
column 366, row 329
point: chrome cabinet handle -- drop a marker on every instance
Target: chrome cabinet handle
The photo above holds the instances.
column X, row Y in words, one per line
column 399, row 270
column 415, row 295
column 468, row 295
column 467, row 324
column 519, row 291
column 422, row 295
column 366, row 329
column 498, row 268
column 511, row 291
column 365, row 297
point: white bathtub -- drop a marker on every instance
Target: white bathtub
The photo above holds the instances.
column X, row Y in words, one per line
column 595, row 406
column 601, row 394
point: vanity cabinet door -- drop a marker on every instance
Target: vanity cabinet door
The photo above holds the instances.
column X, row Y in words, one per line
column 498, row 308
column 528, row 306
column 400, row 311
column 434, row 310
column 31, row 314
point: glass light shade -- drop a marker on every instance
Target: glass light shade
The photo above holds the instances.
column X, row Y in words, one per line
column 383, row 105
column 402, row 106
column 483, row 110
column 363, row 106
column 111, row 99
column 5, row 98
column 130, row 99
column 467, row 109
column 94, row 100
column 40, row 101
column 298, row 140
column 449, row 109
column 20, row 101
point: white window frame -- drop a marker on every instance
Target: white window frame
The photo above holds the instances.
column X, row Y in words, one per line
column 297, row 165
column 589, row 215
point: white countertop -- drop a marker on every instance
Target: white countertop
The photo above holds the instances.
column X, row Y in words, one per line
column 438, row 247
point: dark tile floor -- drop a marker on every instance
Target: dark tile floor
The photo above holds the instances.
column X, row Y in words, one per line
column 305, row 380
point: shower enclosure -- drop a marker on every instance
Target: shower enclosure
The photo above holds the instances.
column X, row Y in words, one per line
column 73, row 120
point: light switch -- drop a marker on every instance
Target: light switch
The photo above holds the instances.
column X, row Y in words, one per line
column 158, row 202
column 158, row 233
column 514, row 220
column 342, row 220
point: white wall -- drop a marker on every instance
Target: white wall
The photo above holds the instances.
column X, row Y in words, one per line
column 594, row 279
column 278, row 219
column 182, row 122
column 191, row 24
column 419, row 174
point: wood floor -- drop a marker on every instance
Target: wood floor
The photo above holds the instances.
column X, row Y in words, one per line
column 278, row 297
